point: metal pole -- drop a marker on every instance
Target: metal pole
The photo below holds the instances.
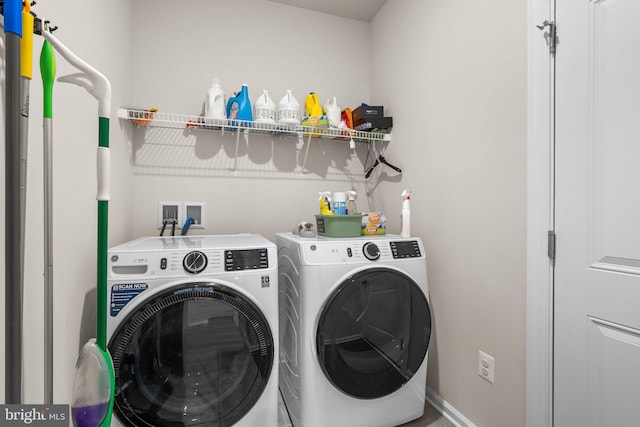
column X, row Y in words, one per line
column 48, row 72
column 26, row 67
column 48, row 262
column 13, row 217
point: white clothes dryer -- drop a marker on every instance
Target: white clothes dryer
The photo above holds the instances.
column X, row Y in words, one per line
column 192, row 328
column 355, row 325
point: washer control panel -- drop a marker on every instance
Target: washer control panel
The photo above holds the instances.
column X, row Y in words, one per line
column 245, row 259
column 192, row 262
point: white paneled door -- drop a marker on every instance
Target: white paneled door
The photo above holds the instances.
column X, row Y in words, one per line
column 597, row 216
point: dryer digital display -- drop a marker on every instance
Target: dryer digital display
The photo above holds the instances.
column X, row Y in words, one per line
column 246, row 259
column 406, row 249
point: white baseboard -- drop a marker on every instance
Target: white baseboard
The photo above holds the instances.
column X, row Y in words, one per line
column 447, row 411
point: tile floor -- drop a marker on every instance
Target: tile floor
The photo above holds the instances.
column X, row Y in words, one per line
column 431, row 418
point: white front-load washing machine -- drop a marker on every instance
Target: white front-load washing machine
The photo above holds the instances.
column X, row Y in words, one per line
column 192, row 329
column 355, row 326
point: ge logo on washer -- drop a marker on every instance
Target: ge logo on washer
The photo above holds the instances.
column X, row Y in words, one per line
column 265, row 281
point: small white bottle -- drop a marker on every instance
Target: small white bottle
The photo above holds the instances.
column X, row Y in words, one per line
column 339, row 203
column 405, row 215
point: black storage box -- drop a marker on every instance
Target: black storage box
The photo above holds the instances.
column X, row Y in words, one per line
column 367, row 112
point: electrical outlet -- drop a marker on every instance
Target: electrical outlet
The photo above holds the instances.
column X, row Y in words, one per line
column 169, row 211
column 486, row 366
column 194, row 210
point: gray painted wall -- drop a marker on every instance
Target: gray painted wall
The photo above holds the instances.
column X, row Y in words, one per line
column 454, row 77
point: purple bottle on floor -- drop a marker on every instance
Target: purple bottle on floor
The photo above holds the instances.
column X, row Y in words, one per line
column 90, row 415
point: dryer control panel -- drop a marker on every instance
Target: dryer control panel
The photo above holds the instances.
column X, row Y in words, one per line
column 357, row 250
column 405, row 249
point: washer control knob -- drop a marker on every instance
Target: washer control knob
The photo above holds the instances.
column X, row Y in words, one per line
column 371, row 251
column 194, row 262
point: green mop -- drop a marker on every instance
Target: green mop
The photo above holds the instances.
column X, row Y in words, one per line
column 94, row 384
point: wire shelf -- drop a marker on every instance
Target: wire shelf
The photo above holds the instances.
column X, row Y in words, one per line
column 144, row 118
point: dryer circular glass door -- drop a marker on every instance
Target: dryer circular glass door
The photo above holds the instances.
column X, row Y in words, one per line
column 198, row 354
column 373, row 333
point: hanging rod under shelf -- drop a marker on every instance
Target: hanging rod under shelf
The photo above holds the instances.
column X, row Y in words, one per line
column 182, row 121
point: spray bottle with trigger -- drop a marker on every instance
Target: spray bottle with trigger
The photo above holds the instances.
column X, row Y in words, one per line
column 351, row 203
column 325, row 203
column 405, row 215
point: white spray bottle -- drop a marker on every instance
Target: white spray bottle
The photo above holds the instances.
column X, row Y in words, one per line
column 405, row 215
column 351, row 203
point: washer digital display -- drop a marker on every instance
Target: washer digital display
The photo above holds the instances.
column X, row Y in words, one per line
column 245, row 259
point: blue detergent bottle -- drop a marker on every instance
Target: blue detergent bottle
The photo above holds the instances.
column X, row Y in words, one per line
column 239, row 108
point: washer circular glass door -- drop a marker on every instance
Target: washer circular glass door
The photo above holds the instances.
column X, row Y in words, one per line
column 373, row 333
column 198, row 354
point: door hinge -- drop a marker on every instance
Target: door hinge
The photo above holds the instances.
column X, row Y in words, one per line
column 551, row 244
column 550, row 36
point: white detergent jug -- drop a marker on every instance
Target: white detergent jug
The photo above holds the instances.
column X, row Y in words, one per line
column 214, row 107
column 288, row 110
column 264, row 109
column 333, row 112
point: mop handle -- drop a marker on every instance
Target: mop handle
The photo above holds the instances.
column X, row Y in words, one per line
column 48, row 74
column 99, row 87
column 13, row 221
column 97, row 84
